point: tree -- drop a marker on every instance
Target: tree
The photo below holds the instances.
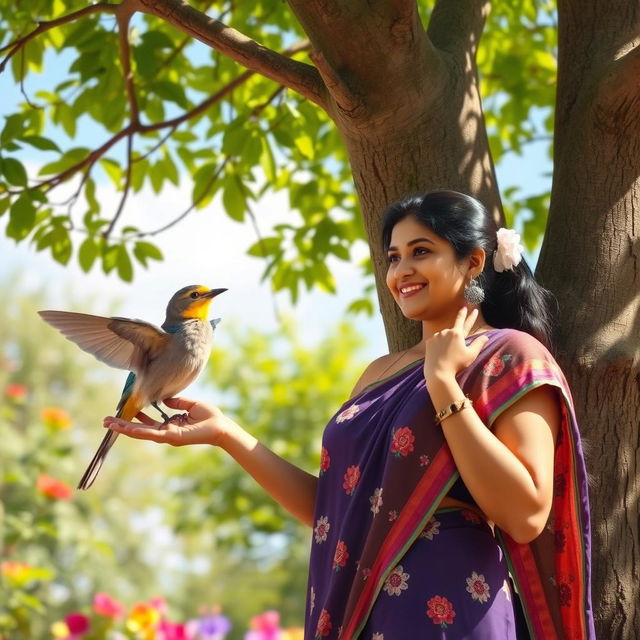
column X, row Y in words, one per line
column 403, row 87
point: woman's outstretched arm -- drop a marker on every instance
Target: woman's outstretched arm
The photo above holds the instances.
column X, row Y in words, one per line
column 293, row 488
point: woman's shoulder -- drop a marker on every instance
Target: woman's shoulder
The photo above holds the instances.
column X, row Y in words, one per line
column 517, row 341
column 373, row 372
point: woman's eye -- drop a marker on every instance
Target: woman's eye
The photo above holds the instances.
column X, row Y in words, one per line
column 394, row 257
column 421, row 251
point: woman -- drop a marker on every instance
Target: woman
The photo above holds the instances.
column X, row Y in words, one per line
column 423, row 518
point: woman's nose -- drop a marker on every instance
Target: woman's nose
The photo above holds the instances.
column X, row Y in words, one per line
column 404, row 266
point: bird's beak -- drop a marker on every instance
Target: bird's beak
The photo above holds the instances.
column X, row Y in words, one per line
column 213, row 293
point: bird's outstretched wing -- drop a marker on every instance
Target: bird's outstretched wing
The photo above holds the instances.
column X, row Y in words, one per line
column 119, row 342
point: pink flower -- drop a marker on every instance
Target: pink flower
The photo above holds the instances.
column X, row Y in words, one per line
column 424, row 460
column 322, row 529
column 105, row 605
column 348, row 413
column 171, row 631
column 402, row 442
column 351, row 479
column 265, row 626
column 393, row 515
column 376, row 500
column 471, row 516
column 159, row 604
column 396, row 583
column 440, row 610
column 53, row 488
column 77, row 624
column 341, row 555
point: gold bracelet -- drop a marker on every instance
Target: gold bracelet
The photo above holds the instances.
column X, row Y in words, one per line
column 452, row 408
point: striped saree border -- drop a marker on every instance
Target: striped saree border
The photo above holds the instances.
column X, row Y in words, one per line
column 493, row 401
column 422, row 503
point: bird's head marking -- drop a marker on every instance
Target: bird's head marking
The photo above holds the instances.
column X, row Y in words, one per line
column 192, row 302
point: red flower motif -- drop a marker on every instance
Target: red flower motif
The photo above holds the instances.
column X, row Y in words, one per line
column 424, row 460
column 471, row 516
column 341, row 556
column 495, row 366
column 325, row 460
column 440, row 610
column 564, row 594
column 53, row 488
column 351, row 479
column 560, row 540
column 393, row 515
column 559, row 485
column 402, row 442
column 324, row 624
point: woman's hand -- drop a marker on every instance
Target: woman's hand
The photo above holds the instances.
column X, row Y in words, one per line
column 202, row 424
column 446, row 352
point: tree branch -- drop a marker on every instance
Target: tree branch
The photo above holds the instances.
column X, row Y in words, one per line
column 456, row 25
column 295, row 75
column 125, row 191
column 124, row 18
column 621, row 83
column 16, row 45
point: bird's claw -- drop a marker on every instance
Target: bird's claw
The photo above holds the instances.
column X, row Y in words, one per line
column 179, row 419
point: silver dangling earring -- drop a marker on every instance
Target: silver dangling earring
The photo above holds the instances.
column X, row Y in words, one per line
column 473, row 293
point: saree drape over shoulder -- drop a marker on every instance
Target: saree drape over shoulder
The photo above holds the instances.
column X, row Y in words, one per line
column 376, row 571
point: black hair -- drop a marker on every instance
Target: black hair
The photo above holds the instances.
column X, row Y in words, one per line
column 513, row 298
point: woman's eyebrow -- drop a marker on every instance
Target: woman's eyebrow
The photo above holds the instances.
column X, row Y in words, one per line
column 412, row 242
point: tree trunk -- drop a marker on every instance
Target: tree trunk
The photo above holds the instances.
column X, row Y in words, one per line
column 590, row 260
column 408, row 107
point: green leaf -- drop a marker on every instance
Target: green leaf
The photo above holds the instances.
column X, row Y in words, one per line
column 304, row 144
column 172, row 92
column 144, row 251
column 265, row 247
column 14, row 172
column 40, row 142
column 21, row 218
column 233, row 198
column 13, row 128
column 123, row 264
column 61, row 247
column 204, row 184
column 110, row 254
column 87, row 254
column 113, row 170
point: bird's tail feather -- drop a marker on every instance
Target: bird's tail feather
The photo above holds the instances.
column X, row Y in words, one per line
column 94, row 466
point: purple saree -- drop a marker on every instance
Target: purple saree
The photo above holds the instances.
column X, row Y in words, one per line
column 385, row 565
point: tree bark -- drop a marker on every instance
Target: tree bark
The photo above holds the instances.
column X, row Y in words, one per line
column 590, row 260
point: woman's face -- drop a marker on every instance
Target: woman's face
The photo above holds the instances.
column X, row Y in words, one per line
column 424, row 275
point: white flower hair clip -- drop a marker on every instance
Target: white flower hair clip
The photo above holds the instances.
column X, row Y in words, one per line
column 509, row 252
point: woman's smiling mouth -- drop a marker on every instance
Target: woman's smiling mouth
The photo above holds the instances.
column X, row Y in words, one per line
column 408, row 290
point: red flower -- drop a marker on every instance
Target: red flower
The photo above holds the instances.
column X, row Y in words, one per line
column 341, row 555
column 77, row 624
column 440, row 610
column 53, row 488
column 105, row 605
column 393, row 515
column 402, row 442
column 424, row 460
column 325, row 460
column 495, row 366
column 16, row 391
column 351, row 479
column 324, row 624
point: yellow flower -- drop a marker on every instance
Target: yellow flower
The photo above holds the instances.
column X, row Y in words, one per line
column 293, row 633
column 60, row 630
column 55, row 418
column 143, row 618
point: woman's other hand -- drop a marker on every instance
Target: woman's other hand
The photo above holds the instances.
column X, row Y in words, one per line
column 446, row 352
column 201, row 424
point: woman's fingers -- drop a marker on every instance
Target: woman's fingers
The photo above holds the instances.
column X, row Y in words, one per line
column 138, row 431
column 470, row 321
column 182, row 404
column 145, row 419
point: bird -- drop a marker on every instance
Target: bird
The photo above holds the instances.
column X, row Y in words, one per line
column 162, row 360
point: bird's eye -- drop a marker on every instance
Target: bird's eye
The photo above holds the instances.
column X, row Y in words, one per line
column 195, row 295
